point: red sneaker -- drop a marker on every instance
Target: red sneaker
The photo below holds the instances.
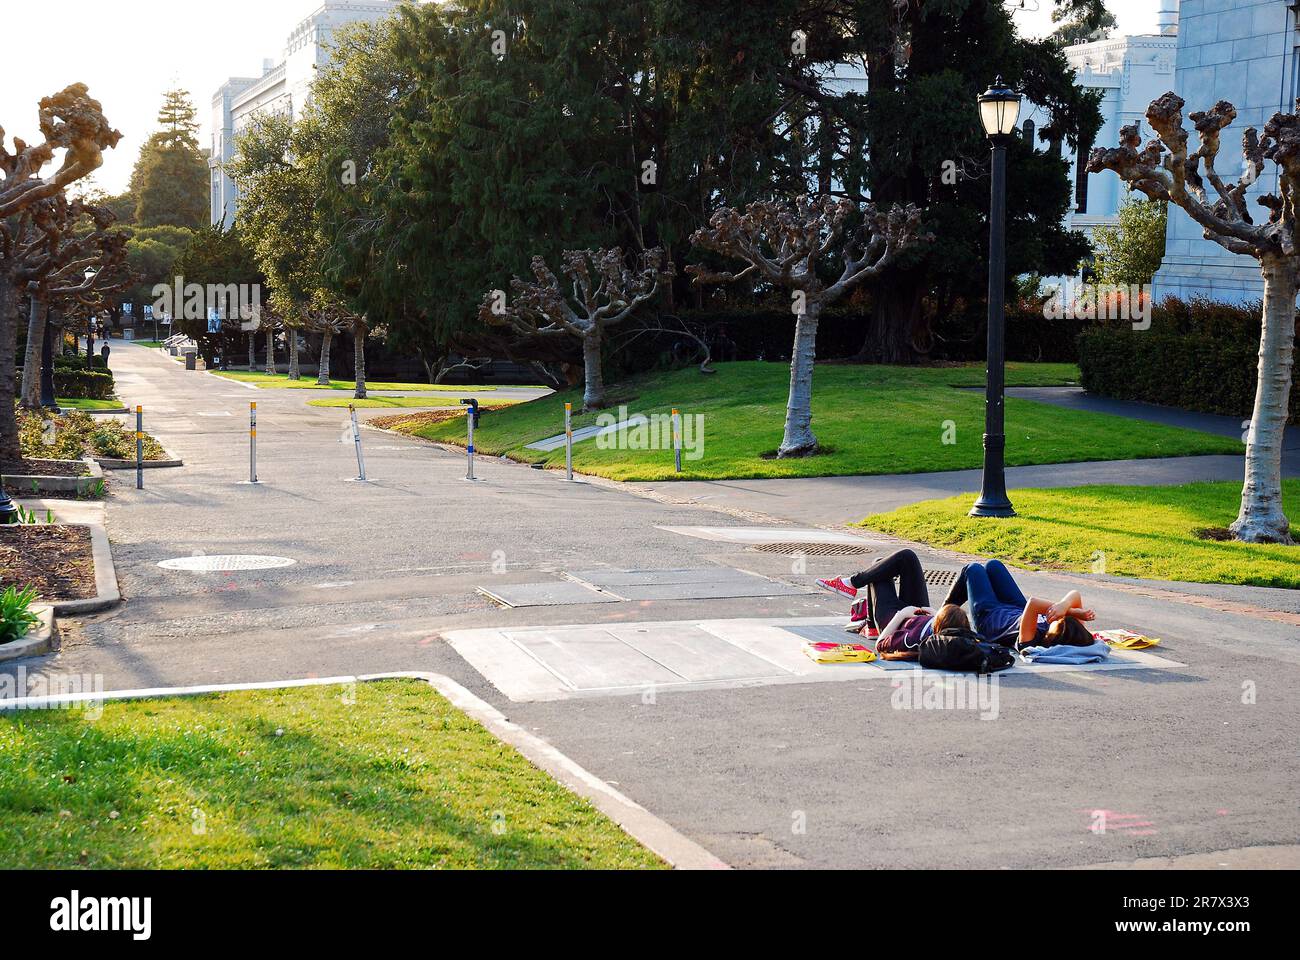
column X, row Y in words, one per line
column 839, row 585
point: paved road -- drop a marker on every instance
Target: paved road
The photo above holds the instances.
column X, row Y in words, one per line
column 827, row 774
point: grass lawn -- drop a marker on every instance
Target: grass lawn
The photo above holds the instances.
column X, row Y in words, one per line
column 148, row 343
column 870, row 420
column 287, row 779
column 1123, row 531
column 281, row 381
column 82, row 404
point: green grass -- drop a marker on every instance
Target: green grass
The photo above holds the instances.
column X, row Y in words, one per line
column 148, row 343
column 287, row 779
column 1123, row 531
column 870, row 420
column 281, row 381
column 83, row 404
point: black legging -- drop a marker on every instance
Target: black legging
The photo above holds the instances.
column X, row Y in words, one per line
column 884, row 599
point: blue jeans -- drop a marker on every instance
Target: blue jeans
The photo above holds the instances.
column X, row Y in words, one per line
column 996, row 601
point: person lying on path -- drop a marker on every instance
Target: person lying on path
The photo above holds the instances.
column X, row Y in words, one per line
column 887, row 608
column 1005, row 615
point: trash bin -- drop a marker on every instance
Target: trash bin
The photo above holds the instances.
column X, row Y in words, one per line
column 191, row 360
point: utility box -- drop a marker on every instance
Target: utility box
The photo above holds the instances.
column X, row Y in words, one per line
column 191, row 360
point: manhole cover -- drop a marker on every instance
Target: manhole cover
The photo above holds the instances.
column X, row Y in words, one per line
column 204, row 564
column 816, row 549
column 941, row 578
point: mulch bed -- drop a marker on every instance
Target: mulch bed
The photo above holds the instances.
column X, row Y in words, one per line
column 57, row 561
column 44, row 468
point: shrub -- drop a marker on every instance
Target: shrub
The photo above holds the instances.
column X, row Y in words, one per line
column 73, row 436
column 83, row 384
column 1197, row 355
column 16, row 615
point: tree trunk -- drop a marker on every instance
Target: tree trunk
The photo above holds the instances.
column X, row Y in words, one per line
column 294, row 373
column 897, row 322
column 323, row 374
column 799, row 440
column 10, row 451
column 31, row 390
column 593, row 395
column 270, row 350
column 1261, row 519
column 48, row 399
column 359, row 360
column 252, row 352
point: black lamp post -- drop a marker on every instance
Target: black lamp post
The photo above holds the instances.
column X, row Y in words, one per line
column 999, row 112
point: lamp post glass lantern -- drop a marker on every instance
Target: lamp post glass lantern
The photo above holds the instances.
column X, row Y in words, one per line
column 999, row 108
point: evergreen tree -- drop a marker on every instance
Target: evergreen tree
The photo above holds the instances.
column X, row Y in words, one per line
column 170, row 179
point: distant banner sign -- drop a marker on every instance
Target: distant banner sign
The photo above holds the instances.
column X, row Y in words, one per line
column 214, row 321
column 126, row 308
column 148, row 309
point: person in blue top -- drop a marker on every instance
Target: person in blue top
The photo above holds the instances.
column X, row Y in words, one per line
column 1003, row 614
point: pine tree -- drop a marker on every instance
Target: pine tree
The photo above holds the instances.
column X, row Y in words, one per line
column 170, row 180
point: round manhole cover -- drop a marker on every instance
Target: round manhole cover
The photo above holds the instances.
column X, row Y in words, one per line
column 204, row 564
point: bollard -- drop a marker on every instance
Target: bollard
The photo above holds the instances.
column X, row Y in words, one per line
column 139, row 447
column 356, row 435
column 677, row 439
column 471, row 417
column 568, row 441
column 252, row 442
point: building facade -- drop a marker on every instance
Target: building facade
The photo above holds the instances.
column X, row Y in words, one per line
column 1129, row 72
column 1245, row 52
column 284, row 87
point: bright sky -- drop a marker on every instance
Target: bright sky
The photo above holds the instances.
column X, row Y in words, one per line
column 129, row 51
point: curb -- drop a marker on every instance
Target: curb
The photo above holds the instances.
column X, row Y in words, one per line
column 35, row 642
column 108, row 463
column 81, row 486
column 661, row 838
column 111, row 411
column 107, row 593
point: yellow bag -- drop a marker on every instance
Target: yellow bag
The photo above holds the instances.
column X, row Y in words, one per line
column 1124, row 640
column 838, row 652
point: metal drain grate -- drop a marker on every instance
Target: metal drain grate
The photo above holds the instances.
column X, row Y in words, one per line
column 816, row 549
column 205, row 564
column 941, row 578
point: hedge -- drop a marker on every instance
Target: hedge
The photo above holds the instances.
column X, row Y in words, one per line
column 82, row 384
column 1196, row 356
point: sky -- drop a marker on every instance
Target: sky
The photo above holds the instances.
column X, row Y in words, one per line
column 130, row 51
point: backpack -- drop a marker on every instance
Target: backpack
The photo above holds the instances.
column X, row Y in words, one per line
column 964, row 651
column 905, row 642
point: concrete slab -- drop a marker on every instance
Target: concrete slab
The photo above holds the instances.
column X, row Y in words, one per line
column 564, row 662
column 711, row 583
column 586, row 433
column 556, row 594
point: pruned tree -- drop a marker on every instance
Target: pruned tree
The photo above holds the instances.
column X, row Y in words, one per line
column 787, row 245
column 69, row 264
column 1164, row 169
column 605, row 292
column 70, row 121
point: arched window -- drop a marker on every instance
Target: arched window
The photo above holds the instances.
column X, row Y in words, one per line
column 1027, row 131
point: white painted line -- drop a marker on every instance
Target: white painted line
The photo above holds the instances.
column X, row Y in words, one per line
column 642, row 825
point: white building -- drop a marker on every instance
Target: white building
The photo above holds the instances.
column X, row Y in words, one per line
column 283, row 87
column 1130, row 72
column 1245, row 52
